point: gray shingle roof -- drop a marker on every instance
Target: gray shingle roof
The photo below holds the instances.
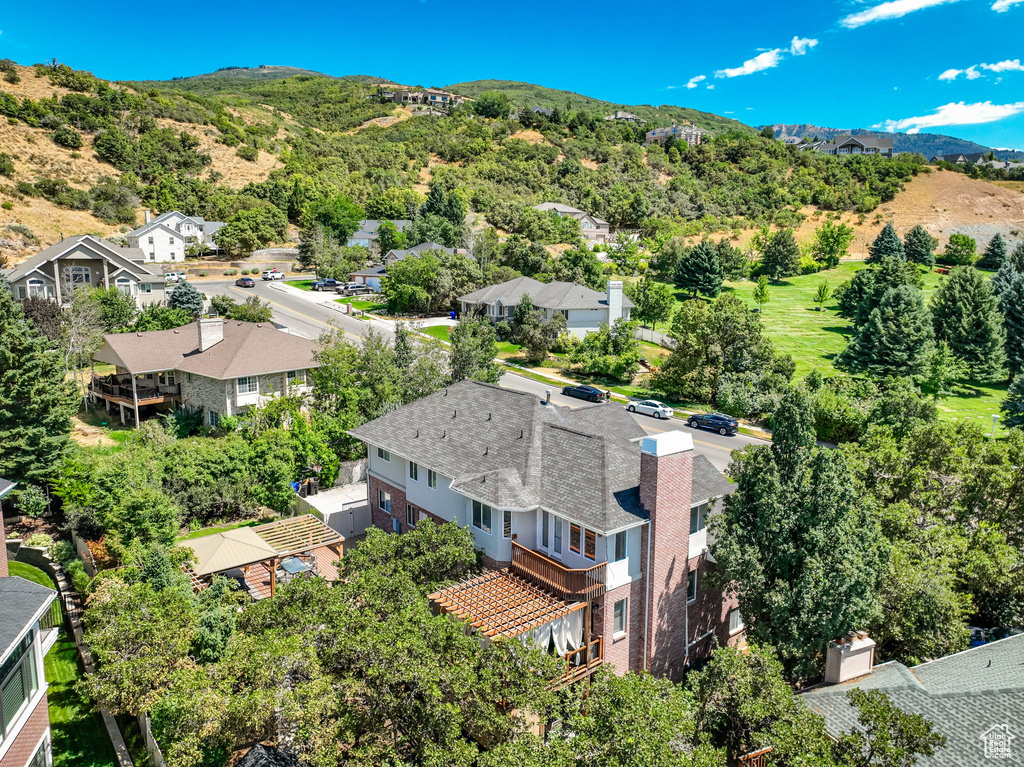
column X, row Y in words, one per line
column 370, row 227
column 506, row 448
column 963, row 695
column 398, row 254
column 21, row 604
column 708, row 481
column 882, row 142
column 6, row 486
column 567, row 210
column 549, row 295
column 124, row 258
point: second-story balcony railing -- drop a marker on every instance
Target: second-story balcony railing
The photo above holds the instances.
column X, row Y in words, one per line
column 121, row 386
column 563, row 582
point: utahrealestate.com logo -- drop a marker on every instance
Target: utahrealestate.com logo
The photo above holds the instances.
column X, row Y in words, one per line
column 997, row 741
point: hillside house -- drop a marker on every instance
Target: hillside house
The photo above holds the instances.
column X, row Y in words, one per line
column 220, row 367
column 593, row 534
column 426, row 97
column 164, row 239
column 372, row 275
column 863, row 144
column 542, row 111
column 585, row 310
column 959, row 158
column 29, row 621
column 368, row 233
column 90, row 262
column 594, row 229
column 691, row 134
column 621, row 116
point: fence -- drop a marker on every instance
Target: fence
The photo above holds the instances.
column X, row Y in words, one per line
column 152, row 747
column 655, row 337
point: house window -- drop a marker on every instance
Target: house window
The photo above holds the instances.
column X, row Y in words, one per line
column 81, row 275
column 150, row 240
column 43, row 757
column 170, row 241
column 619, row 618
column 432, row 479
column 575, row 535
column 590, row 544
column 384, row 455
column 296, row 377
column 152, row 256
column 172, row 255
column 414, row 471
column 558, row 535
column 697, row 518
column 691, row 585
column 735, row 620
column 248, row 385
column 17, row 683
column 145, row 287
column 506, row 524
column 482, row 516
column 544, row 524
column 384, row 501
column 410, row 515
column 124, row 285
column 620, row 546
column 214, row 419
column 21, row 292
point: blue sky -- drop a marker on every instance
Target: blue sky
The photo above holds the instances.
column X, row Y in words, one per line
column 943, row 66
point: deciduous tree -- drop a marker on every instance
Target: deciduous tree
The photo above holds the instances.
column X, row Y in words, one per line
column 652, row 301
column 832, row 243
column 960, row 250
column 474, row 347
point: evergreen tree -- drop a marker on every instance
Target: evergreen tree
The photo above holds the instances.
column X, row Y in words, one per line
column 887, row 243
column 781, row 256
column 966, row 314
column 891, row 272
column 36, row 398
column 185, row 296
column 700, row 271
column 1013, row 405
column 446, row 204
column 895, row 340
column 919, row 247
column 1008, row 285
column 994, row 256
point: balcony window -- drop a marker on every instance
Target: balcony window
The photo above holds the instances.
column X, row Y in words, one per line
column 545, row 536
column 410, row 515
column 575, row 536
column 248, row 385
column 506, row 524
column 691, row 586
column 620, row 546
column 414, row 471
column 482, row 516
column 18, row 682
column 619, row 618
column 589, row 544
column 384, row 455
column 558, row 535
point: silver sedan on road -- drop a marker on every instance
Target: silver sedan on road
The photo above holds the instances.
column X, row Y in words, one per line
column 650, row 407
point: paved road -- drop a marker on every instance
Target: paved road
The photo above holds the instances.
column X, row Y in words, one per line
column 309, row 319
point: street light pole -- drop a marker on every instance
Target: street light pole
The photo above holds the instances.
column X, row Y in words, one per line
column 994, row 419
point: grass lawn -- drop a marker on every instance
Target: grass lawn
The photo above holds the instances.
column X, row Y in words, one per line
column 302, row 284
column 30, row 573
column 814, row 338
column 79, row 738
column 361, row 303
column 219, row 529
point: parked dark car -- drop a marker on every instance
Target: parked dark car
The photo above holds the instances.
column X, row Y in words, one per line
column 326, row 284
column 245, row 282
column 723, row 424
column 584, row 392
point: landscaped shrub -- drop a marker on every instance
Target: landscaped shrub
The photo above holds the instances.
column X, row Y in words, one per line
column 230, row 272
column 40, row 541
column 202, row 274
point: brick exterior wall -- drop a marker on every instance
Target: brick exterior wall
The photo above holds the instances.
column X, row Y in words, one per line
column 205, row 393
column 709, row 612
column 24, row 746
column 4, row 572
column 624, row 653
column 665, row 492
column 381, row 518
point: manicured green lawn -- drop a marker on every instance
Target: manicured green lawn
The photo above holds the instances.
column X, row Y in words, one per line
column 302, row 284
column 361, row 303
column 218, row 529
column 814, row 338
column 30, row 573
column 439, row 332
column 79, row 738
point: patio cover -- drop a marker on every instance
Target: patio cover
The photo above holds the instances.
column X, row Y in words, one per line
column 225, row 551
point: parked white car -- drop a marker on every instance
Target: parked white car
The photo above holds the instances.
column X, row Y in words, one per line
column 273, row 274
column 172, row 277
column 650, row 407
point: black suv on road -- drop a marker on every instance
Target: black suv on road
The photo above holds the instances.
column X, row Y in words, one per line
column 584, row 392
column 723, row 424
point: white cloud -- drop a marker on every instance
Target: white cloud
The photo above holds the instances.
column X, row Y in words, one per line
column 895, row 9
column 1002, row 6
column 801, row 45
column 711, row 87
column 951, row 74
column 955, row 113
column 760, row 62
column 1009, row 65
column 972, row 73
column 694, row 80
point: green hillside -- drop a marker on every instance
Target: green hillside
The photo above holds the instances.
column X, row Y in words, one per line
column 528, row 95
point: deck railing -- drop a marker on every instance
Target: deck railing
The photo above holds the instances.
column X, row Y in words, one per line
column 121, row 386
column 757, row 758
column 582, row 662
column 564, row 583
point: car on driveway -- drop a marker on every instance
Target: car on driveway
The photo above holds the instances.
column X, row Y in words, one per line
column 650, row 407
column 245, row 282
column 723, row 424
column 327, row 284
column 354, row 288
column 584, row 392
column 172, row 277
column 273, row 274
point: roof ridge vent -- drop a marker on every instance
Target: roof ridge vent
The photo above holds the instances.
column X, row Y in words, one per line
column 455, row 412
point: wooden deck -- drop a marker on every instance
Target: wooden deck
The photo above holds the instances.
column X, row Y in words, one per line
column 562, row 582
column 258, row 576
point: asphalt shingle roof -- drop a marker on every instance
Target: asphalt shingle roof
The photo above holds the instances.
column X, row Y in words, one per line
column 248, row 348
column 6, row 486
column 21, row 602
column 545, row 295
column 962, row 695
column 124, row 258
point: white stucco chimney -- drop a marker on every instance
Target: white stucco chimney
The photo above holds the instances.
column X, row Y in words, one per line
column 614, row 300
column 849, row 658
column 211, row 332
column 146, row 215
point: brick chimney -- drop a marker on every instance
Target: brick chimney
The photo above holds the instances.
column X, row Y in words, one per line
column 666, row 479
column 211, row 332
column 614, row 300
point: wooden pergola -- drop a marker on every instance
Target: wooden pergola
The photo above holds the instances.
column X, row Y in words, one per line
column 295, row 535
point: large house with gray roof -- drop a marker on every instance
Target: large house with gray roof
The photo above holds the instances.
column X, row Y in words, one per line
column 594, row 534
column 371, row 276
column 166, row 238
column 368, row 234
column 594, row 229
column 690, row 134
column 974, row 698
column 89, row 262
column 217, row 366
column 585, row 310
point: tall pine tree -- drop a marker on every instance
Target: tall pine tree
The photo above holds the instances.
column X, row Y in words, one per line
column 1013, row 405
column 781, row 256
column 966, row 314
column 700, row 271
column 887, row 243
column 919, row 247
column 36, row 398
column 891, row 272
column 1008, row 285
column 895, row 340
column 994, row 256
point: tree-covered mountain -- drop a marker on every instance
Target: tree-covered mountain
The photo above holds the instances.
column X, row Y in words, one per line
column 928, row 144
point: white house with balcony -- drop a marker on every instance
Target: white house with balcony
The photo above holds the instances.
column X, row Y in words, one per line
column 574, row 510
column 594, row 229
column 221, row 367
column 165, row 239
